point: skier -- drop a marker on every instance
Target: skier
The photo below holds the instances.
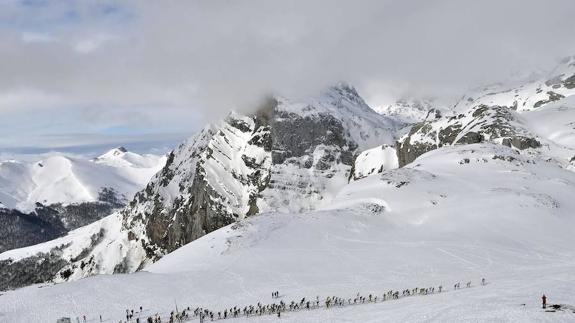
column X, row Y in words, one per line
column 544, row 301
column 483, row 281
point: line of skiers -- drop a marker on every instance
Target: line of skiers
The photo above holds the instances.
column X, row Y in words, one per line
column 458, row 284
column 204, row 314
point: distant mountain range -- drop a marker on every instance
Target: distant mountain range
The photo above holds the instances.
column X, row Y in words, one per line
column 45, row 199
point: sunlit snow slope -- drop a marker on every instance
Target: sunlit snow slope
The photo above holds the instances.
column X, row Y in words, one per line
column 66, row 179
column 458, row 213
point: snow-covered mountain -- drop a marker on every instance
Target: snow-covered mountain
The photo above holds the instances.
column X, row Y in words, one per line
column 435, row 222
column 45, row 199
column 374, row 161
column 345, row 206
column 410, row 110
column 526, row 96
column 70, row 179
column 480, row 123
column 238, row 167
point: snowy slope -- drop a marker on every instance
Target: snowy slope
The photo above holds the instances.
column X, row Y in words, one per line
column 66, row 179
column 121, row 157
column 555, row 122
column 529, row 95
column 460, row 213
column 375, row 160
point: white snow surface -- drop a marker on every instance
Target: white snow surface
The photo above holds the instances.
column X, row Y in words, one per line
column 555, row 122
column 503, row 216
column 410, row 110
column 375, row 160
column 524, row 95
column 71, row 179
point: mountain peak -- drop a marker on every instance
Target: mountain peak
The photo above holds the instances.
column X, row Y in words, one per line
column 115, row 152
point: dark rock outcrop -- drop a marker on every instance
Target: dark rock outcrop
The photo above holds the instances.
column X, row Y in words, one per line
column 481, row 123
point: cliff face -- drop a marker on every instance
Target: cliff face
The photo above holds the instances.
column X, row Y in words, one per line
column 208, row 182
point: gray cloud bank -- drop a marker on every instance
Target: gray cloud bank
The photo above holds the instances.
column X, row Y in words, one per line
column 195, row 60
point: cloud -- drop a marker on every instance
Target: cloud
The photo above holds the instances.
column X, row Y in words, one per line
column 36, row 37
column 22, row 99
column 92, row 43
column 176, row 64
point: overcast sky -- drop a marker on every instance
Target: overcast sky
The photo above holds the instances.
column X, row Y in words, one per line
column 98, row 73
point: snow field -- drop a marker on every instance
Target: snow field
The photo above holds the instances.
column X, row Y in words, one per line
column 65, row 179
column 436, row 222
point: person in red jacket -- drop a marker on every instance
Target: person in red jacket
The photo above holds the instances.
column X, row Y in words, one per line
column 544, row 300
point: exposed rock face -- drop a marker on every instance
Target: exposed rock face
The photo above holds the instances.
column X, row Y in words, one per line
column 313, row 131
column 481, row 123
column 208, row 182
